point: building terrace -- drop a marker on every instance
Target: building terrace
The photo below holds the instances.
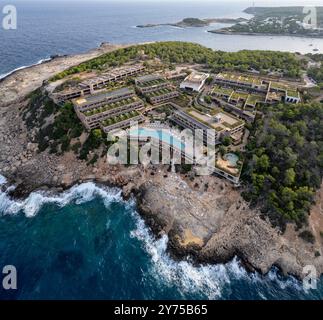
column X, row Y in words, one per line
column 121, row 121
column 221, row 122
column 238, row 97
column 194, row 82
column 222, row 92
column 253, row 100
column 241, row 80
column 289, row 92
column 89, row 86
column 112, row 76
column 149, row 80
column 155, row 88
column 97, row 100
column 98, row 108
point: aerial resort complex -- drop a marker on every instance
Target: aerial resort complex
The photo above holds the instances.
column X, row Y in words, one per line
column 218, row 105
column 240, row 94
column 148, row 168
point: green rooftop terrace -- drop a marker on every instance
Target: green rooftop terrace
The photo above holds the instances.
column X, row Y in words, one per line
column 158, row 93
column 239, row 95
column 253, row 99
column 225, row 120
column 236, row 78
column 151, row 83
column 111, row 106
column 292, row 93
column 121, row 118
column 222, row 91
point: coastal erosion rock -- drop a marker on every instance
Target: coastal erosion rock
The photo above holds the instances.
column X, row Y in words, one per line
column 15, row 87
column 204, row 217
column 216, row 225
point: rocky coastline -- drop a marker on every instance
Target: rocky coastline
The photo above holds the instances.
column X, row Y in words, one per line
column 204, row 217
column 194, row 22
column 226, row 32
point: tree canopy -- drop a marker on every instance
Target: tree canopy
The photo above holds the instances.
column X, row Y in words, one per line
column 184, row 52
column 285, row 160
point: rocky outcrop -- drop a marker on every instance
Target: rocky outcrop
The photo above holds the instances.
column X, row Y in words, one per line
column 204, row 217
column 22, row 82
column 225, row 224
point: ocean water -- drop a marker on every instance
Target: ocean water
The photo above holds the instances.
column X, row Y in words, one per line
column 47, row 27
column 88, row 243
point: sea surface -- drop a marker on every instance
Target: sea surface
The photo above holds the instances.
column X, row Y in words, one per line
column 47, row 27
column 88, row 243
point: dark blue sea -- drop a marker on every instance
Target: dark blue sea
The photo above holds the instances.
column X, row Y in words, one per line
column 47, row 27
column 88, row 243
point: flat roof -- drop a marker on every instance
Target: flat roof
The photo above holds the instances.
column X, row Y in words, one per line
column 219, row 121
column 221, row 90
column 240, row 78
column 293, row 93
column 149, row 77
column 239, row 95
column 102, row 96
column 196, row 77
column 236, row 77
column 254, row 98
column 112, row 74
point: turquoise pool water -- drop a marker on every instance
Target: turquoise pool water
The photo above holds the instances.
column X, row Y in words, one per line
column 161, row 135
column 232, row 158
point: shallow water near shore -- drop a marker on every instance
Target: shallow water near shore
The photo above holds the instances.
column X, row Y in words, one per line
column 88, row 243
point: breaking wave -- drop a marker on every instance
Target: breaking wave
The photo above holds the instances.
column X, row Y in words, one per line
column 211, row 281
column 208, row 281
column 5, row 75
column 78, row 194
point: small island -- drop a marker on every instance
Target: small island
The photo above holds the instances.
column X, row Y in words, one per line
column 195, row 22
column 287, row 21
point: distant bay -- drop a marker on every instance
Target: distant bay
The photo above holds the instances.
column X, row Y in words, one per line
column 47, row 28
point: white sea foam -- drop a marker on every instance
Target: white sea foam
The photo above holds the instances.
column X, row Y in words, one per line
column 206, row 280
column 79, row 194
column 3, row 180
column 3, row 76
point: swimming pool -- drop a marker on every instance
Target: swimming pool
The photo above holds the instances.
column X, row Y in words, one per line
column 159, row 134
column 232, row 159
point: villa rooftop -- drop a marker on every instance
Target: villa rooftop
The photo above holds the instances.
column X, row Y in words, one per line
column 219, row 121
column 222, row 91
column 101, row 96
column 111, row 106
column 239, row 95
column 196, row 77
column 238, row 78
column 113, row 75
column 150, row 78
column 253, row 99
